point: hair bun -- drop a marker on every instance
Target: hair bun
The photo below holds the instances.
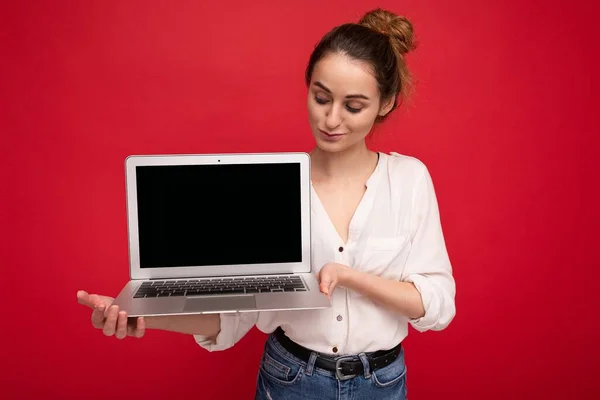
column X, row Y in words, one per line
column 399, row 29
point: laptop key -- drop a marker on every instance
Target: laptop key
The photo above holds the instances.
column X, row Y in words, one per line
column 293, row 285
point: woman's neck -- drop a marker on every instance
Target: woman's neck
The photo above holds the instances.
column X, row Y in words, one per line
column 349, row 164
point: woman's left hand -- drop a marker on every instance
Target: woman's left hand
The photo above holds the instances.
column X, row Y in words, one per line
column 330, row 276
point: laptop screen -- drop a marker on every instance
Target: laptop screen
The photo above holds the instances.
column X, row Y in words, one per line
column 197, row 215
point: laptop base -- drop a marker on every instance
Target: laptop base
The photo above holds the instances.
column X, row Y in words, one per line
column 311, row 298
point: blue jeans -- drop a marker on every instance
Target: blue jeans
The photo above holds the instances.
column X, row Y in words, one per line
column 284, row 376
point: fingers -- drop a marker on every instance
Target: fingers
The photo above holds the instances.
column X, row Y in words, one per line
column 98, row 304
column 117, row 324
column 141, row 328
column 84, row 298
column 113, row 322
column 121, row 331
column 324, row 286
column 98, row 318
column 325, row 282
column 110, row 325
column 90, row 300
column 331, row 288
column 327, row 287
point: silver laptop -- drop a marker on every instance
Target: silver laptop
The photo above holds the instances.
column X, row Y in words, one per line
column 219, row 233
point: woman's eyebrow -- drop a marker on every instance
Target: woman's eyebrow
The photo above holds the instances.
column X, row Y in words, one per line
column 350, row 96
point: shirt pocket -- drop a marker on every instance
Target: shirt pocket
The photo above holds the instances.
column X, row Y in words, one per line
column 384, row 256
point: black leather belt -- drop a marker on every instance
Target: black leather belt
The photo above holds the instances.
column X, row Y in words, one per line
column 345, row 367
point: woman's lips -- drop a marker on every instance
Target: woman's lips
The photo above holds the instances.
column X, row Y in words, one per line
column 331, row 136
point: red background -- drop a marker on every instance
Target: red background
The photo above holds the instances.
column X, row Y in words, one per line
column 505, row 115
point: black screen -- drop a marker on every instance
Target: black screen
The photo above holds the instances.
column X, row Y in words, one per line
column 195, row 215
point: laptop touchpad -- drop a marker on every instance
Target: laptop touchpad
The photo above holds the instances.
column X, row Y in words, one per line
column 219, row 303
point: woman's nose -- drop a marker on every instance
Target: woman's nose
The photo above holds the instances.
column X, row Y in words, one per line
column 333, row 118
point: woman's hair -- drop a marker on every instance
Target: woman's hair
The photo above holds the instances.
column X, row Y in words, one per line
column 380, row 38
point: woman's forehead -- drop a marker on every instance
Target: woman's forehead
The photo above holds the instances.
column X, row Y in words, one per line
column 344, row 75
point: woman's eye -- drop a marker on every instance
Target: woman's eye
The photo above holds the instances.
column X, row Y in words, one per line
column 352, row 109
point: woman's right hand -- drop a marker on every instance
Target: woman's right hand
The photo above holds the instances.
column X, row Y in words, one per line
column 113, row 322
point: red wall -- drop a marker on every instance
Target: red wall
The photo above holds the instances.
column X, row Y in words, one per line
column 505, row 115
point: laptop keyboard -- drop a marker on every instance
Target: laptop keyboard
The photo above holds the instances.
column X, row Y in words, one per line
column 204, row 287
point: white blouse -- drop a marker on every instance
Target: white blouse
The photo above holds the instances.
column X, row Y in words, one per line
column 395, row 233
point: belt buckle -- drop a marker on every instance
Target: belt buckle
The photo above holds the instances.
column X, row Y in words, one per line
column 338, row 368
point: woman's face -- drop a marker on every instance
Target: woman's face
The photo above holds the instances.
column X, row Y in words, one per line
column 343, row 102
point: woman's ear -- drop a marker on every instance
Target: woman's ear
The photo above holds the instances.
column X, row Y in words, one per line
column 386, row 106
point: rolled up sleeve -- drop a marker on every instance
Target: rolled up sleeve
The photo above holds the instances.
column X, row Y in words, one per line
column 428, row 266
column 234, row 327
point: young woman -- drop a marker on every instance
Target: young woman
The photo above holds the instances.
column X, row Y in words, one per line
column 377, row 239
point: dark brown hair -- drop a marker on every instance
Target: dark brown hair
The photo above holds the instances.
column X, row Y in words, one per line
column 380, row 38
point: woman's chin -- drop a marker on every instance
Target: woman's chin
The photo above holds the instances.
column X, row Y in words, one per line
column 335, row 146
column 331, row 147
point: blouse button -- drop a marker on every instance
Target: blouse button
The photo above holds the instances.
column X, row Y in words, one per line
column 341, row 249
column 335, row 349
column 339, row 318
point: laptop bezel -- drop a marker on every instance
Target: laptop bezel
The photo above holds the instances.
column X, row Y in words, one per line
column 135, row 270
